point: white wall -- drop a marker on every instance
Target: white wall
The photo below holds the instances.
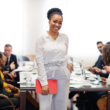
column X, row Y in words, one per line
column 11, row 24
column 36, row 21
column 85, row 22
column 88, row 22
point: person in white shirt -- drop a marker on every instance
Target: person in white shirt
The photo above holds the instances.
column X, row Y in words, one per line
column 53, row 63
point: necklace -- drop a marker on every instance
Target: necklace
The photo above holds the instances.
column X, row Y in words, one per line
column 54, row 38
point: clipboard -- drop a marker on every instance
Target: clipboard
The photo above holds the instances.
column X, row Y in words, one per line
column 51, row 83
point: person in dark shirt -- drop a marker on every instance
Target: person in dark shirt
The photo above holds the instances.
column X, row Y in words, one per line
column 99, row 63
column 13, row 92
column 11, row 58
column 102, row 104
column 98, row 67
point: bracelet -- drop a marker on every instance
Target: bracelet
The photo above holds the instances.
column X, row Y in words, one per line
column 70, row 66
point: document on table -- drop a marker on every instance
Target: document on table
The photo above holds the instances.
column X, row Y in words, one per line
column 25, row 68
column 75, row 84
column 77, row 81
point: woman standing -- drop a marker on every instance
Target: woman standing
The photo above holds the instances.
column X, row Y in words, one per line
column 53, row 63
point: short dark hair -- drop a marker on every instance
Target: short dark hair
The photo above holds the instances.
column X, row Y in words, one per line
column 8, row 45
column 108, row 42
column 53, row 11
column 2, row 59
column 98, row 42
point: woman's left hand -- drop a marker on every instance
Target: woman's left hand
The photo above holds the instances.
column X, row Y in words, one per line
column 13, row 74
column 70, row 67
column 103, row 79
column 15, row 90
column 107, row 68
column 98, row 70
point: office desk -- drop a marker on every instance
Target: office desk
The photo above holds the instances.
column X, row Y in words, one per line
column 102, row 87
column 24, row 88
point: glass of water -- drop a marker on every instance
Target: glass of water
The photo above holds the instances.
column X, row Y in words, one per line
column 28, row 79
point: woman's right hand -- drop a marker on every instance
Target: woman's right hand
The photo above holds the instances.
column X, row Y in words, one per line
column 5, row 72
column 107, row 68
column 45, row 90
column 92, row 70
column 10, row 86
column 13, row 88
column 98, row 70
column 103, row 79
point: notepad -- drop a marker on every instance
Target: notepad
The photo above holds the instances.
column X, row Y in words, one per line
column 51, row 83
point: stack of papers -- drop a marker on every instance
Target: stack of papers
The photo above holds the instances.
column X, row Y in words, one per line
column 77, row 81
column 75, row 84
column 24, row 75
column 24, row 68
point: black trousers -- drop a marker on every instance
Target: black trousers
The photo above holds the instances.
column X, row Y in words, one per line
column 94, row 96
column 16, row 102
column 71, row 94
column 4, row 102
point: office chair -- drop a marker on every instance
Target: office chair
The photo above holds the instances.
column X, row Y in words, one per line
column 23, row 58
column 8, row 107
column 31, row 57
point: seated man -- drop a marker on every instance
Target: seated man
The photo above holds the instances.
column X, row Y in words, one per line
column 11, row 58
column 99, row 63
column 98, row 67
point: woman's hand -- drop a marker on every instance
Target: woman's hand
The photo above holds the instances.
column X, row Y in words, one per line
column 13, row 74
column 5, row 72
column 92, row 70
column 103, row 79
column 13, row 88
column 107, row 68
column 70, row 67
column 16, row 89
column 10, row 86
column 98, row 70
column 45, row 90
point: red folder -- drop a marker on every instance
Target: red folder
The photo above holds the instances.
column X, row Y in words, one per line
column 51, row 83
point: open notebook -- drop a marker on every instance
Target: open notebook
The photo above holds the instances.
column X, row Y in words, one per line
column 51, row 83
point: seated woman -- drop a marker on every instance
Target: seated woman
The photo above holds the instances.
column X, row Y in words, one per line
column 102, row 102
column 95, row 97
column 14, row 92
column 10, row 76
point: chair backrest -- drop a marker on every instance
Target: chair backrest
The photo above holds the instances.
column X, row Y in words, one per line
column 7, row 107
column 31, row 57
column 23, row 58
